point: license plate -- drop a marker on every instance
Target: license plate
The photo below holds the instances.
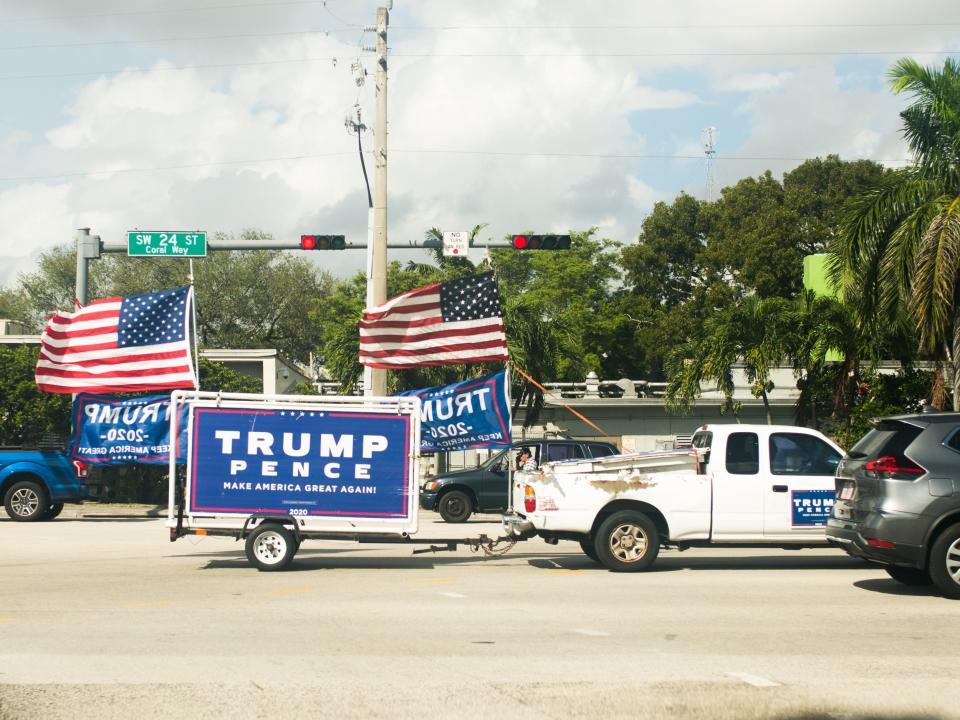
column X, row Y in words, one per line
column 847, row 491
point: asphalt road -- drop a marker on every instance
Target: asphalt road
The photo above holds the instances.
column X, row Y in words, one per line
column 106, row 618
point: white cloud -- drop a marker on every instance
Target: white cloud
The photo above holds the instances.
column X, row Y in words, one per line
column 541, row 141
column 752, row 82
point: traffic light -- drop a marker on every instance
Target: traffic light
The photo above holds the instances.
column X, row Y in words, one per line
column 541, row 242
column 322, row 242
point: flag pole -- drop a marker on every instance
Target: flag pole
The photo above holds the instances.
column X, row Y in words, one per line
column 510, row 446
column 193, row 318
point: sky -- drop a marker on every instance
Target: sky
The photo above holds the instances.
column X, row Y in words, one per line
column 523, row 115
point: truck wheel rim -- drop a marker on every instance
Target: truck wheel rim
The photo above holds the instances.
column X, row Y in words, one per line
column 953, row 561
column 628, row 543
column 25, row 502
column 270, row 548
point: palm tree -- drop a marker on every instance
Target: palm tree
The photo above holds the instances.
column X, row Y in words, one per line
column 755, row 332
column 900, row 248
column 818, row 326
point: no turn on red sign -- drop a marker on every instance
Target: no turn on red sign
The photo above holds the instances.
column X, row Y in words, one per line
column 456, row 243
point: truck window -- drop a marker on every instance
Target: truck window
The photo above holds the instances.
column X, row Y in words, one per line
column 702, row 441
column 597, row 450
column 799, row 454
column 743, row 453
column 563, row 451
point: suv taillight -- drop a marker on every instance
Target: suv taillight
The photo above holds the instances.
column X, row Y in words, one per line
column 81, row 467
column 896, row 468
column 529, row 499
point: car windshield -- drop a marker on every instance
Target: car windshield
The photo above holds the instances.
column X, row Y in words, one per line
column 492, row 462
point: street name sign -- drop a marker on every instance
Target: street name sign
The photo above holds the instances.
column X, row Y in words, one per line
column 166, row 243
column 456, row 243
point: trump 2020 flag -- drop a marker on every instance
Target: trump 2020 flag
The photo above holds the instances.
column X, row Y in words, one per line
column 121, row 344
column 458, row 321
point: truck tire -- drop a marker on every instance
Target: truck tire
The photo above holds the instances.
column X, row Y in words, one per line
column 944, row 564
column 914, row 577
column 26, row 501
column 455, row 506
column 627, row 541
column 589, row 548
column 53, row 511
column 270, row 547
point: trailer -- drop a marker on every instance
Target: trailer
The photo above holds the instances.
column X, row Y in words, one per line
column 275, row 470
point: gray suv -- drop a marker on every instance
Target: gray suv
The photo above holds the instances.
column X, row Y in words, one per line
column 898, row 499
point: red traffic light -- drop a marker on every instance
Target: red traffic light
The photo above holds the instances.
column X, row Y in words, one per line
column 541, row 242
column 323, row 242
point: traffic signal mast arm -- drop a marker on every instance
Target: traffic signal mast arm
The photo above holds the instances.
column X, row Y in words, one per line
column 339, row 242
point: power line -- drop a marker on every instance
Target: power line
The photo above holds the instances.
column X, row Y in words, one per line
column 449, row 56
column 704, row 26
column 351, row 28
column 617, row 156
column 191, row 166
column 481, row 153
column 168, row 11
column 184, row 38
column 169, row 68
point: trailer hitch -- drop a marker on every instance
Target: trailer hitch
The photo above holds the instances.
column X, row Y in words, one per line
column 449, row 547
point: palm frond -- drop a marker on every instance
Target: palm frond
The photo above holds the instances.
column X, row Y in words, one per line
column 933, row 293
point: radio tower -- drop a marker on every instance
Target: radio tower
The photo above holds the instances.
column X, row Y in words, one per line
column 709, row 139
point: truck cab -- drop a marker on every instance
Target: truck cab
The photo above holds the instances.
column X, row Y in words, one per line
column 770, row 483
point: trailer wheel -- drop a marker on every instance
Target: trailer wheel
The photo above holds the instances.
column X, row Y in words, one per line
column 26, row 501
column 270, row 547
column 627, row 541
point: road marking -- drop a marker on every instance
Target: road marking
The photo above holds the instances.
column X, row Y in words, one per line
column 290, row 591
column 452, row 595
column 592, row 633
column 147, row 604
column 754, row 680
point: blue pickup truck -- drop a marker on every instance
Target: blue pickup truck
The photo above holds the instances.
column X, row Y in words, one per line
column 35, row 483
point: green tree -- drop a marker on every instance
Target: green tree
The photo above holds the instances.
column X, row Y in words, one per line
column 817, row 326
column 753, row 239
column 665, row 265
column 27, row 413
column 217, row 377
column 754, row 332
column 244, row 299
column 817, row 191
column 899, row 254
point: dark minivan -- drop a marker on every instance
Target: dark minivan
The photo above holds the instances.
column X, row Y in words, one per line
column 457, row 495
column 898, row 499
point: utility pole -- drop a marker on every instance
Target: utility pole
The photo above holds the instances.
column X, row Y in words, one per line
column 377, row 278
column 88, row 248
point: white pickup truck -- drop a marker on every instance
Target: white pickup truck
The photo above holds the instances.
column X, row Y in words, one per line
column 740, row 485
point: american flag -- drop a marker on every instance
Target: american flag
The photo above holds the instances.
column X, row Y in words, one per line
column 120, row 344
column 459, row 321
